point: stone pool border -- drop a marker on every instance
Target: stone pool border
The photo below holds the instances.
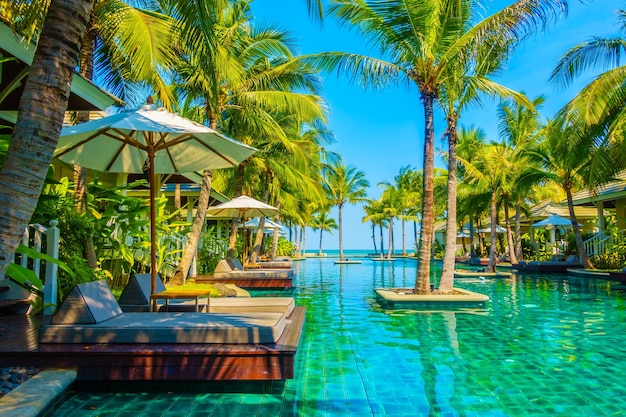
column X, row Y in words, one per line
column 38, row 394
column 453, row 300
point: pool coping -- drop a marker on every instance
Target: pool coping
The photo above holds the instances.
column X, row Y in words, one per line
column 452, row 299
column 38, row 394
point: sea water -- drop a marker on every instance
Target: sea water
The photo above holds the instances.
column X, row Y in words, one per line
column 544, row 345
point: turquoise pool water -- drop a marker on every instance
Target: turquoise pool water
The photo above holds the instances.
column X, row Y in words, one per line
column 543, row 346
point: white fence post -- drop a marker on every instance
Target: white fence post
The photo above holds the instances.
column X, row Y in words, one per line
column 51, row 280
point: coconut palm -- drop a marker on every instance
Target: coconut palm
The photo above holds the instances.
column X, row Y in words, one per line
column 491, row 171
column 243, row 78
column 40, row 117
column 322, row 222
column 602, row 101
column 563, row 164
column 374, row 213
column 423, row 38
column 518, row 126
column 344, row 185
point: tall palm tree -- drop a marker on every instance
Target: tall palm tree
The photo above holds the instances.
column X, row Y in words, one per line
column 564, row 164
column 601, row 101
column 40, row 117
column 243, row 78
column 125, row 46
column 491, row 171
column 374, row 213
column 391, row 200
column 322, row 222
column 424, row 38
column 344, row 185
column 518, row 127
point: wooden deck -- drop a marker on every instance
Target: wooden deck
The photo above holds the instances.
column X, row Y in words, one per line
column 147, row 362
column 254, row 283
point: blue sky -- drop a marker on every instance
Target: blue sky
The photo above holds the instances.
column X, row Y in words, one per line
column 380, row 131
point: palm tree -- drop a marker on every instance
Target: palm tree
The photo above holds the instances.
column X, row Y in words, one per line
column 322, row 222
column 518, row 127
column 424, row 38
column 594, row 119
column 391, row 202
column 491, row 171
column 406, row 184
column 40, row 117
column 124, row 45
column 344, row 185
column 564, row 164
column 374, row 213
column 244, row 79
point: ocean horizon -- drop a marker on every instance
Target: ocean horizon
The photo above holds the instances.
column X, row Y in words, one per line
column 353, row 253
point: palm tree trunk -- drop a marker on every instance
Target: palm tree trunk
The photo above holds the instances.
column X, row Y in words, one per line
column 382, row 249
column 340, row 232
column 321, row 232
column 390, row 246
column 422, row 281
column 80, row 173
column 446, row 282
column 177, row 203
column 491, row 267
column 39, row 121
column 509, row 234
column 472, row 245
column 584, row 259
column 258, row 241
column 403, row 237
column 196, row 229
column 518, row 232
column 374, row 238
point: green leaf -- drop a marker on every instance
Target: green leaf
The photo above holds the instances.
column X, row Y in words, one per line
column 24, row 276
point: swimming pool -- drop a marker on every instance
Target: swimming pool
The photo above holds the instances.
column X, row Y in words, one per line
column 545, row 345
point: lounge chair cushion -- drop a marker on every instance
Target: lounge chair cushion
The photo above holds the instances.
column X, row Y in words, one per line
column 223, row 270
column 137, row 291
column 235, row 264
column 88, row 303
column 283, row 305
column 172, row 328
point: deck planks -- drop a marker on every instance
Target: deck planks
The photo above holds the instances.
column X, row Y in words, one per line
column 147, row 362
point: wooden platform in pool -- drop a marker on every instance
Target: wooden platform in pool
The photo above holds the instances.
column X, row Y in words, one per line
column 253, row 283
column 153, row 362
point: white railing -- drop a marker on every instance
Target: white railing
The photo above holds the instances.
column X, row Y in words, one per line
column 598, row 244
column 33, row 238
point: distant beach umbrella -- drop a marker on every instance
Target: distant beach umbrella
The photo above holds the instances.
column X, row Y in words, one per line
column 242, row 207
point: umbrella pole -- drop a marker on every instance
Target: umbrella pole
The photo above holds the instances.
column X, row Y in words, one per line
column 153, row 261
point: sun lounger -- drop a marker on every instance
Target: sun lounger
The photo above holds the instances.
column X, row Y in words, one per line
column 91, row 314
column 235, row 265
column 136, row 296
column 549, row 266
column 228, row 273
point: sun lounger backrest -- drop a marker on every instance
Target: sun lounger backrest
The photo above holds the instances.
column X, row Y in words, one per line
column 138, row 289
column 88, row 303
column 235, row 264
column 223, row 266
column 572, row 258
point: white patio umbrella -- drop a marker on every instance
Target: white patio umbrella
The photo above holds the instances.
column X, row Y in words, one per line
column 269, row 224
column 152, row 138
column 243, row 207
